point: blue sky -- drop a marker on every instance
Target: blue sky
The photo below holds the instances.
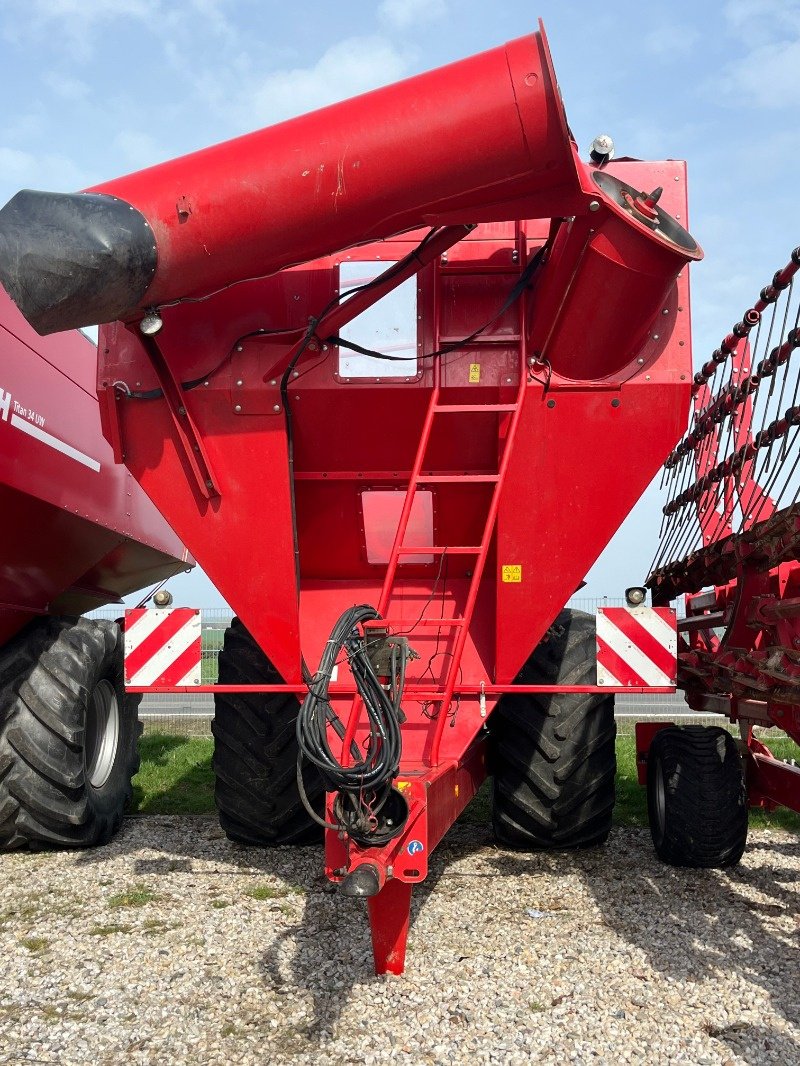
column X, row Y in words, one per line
column 96, row 88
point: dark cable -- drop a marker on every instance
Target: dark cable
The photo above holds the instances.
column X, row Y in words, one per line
column 363, row 787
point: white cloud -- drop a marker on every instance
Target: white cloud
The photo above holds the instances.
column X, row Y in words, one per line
column 138, row 149
column 768, row 76
column 15, row 165
column 671, row 40
column 762, row 19
column 766, row 73
column 45, row 171
column 347, row 68
column 65, row 87
column 91, row 10
column 403, row 14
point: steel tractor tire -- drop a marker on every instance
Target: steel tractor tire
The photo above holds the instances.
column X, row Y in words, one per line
column 68, row 735
column 696, row 797
column 553, row 757
column 255, row 753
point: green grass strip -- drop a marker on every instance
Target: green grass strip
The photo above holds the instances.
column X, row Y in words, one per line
column 176, row 778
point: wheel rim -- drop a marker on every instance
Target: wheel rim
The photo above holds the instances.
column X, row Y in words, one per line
column 661, row 800
column 102, row 733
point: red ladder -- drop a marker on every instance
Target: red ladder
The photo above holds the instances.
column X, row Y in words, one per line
column 480, row 551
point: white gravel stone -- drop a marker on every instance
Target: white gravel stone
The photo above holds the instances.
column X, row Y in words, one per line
column 236, row 955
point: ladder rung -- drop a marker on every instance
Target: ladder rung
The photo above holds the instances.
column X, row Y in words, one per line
column 468, row 408
column 446, row 479
column 439, row 549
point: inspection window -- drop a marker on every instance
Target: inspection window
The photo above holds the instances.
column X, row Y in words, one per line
column 381, row 511
column 388, row 327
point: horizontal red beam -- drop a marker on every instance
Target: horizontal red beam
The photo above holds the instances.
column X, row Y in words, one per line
column 411, row 691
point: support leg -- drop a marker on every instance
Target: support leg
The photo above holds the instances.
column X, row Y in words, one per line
column 389, row 915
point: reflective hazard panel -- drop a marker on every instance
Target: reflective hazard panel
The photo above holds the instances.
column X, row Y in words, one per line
column 637, row 646
column 163, row 646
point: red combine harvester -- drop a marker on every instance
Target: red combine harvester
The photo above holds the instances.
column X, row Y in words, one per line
column 380, row 367
column 77, row 533
column 730, row 544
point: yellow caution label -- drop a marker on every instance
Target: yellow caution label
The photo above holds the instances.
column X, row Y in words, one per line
column 474, row 373
column 512, row 574
column 404, row 786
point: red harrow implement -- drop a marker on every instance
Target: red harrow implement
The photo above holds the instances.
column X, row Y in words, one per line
column 382, row 368
column 731, row 538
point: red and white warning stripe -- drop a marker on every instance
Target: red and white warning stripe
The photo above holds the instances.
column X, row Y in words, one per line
column 162, row 646
column 636, row 646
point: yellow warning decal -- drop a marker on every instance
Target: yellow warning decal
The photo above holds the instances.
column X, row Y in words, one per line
column 404, row 786
column 512, row 574
column 474, row 373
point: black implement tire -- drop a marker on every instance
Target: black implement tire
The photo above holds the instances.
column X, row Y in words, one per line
column 68, row 735
column 553, row 756
column 696, row 797
column 255, row 752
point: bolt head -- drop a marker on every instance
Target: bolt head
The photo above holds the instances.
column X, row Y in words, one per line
column 238, row 408
column 276, row 407
column 594, row 205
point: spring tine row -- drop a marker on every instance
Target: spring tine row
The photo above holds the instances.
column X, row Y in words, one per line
column 736, row 464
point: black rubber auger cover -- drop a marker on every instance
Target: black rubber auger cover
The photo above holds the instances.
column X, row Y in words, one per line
column 705, row 797
column 74, row 259
column 255, row 752
column 47, row 674
column 553, row 756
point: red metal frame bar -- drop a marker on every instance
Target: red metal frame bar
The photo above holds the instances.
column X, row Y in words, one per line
column 412, row 692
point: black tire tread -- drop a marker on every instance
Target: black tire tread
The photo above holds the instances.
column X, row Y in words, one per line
column 255, row 752
column 553, row 756
column 706, row 818
column 47, row 673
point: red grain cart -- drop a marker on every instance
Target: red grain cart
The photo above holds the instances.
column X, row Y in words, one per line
column 395, row 371
column 77, row 532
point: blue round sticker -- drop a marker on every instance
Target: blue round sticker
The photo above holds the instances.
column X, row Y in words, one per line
column 414, row 847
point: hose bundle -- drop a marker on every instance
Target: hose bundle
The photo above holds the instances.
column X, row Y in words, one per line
column 363, row 787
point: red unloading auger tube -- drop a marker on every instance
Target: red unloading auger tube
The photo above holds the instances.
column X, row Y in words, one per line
column 484, row 139
column 481, row 139
column 200, row 410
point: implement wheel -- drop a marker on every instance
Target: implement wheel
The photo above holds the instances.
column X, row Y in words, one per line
column 68, row 735
column 255, row 752
column 553, row 756
column 696, row 797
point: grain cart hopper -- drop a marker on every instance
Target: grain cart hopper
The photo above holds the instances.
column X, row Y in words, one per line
column 395, row 371
column 77, row 532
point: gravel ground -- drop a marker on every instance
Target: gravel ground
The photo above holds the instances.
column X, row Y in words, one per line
column 173, row 945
